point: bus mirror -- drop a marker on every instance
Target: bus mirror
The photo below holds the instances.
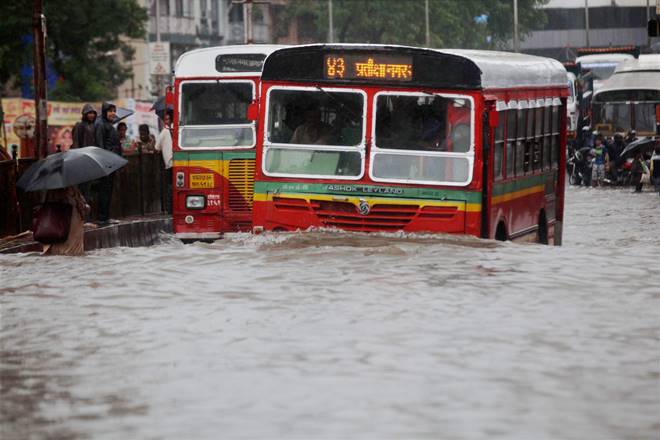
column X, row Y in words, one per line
column 253, row 111
column 493, row 118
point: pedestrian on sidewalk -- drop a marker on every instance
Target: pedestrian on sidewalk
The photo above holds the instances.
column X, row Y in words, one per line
column 164, row 145
column 146, row 142
column 107, row 138
column 75, row 241
column 84, row 136
column 124, row 141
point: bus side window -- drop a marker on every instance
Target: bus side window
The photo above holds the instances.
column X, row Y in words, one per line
column 520, row 142
column 547, row 137
column 529, row 141
column 510, row 141
column 499, row 146
column 556, row 116
column 538, row 139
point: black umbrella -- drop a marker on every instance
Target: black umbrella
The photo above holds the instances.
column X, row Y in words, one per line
column 637, row 146
column 69, row 168
column 159, row 107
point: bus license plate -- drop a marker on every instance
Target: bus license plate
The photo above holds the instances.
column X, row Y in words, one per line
column 201, row 181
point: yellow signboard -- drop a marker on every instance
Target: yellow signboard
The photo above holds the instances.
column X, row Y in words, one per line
column 202, row 181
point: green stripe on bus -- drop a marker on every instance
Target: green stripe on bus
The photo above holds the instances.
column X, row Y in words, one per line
column 367, row 190
column 519, row 184
column 213, row 155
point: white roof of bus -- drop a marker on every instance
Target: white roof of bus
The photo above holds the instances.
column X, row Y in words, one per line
column 632, row 80
column 604, row 58
column 645, row 62
column 510, row 69
column 201, row 62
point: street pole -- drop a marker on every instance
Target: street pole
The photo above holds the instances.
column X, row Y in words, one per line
column 586, row 21
column 516, row 42
column 426, row 19
column 40, row 100
column 247, row 19
column 158, row 77
column 331, row 31
column 648, row 18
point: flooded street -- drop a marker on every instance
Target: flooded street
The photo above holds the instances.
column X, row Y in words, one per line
column 332, row 335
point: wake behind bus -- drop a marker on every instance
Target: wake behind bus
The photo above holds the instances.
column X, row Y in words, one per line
column 214, row 139
column 395, row 138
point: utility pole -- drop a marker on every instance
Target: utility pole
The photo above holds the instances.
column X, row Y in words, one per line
column 426, row 19
column 516, row 42
column 586, row 21
column 331, row 29
column 40, row 100
column 648, row 18
column 159, row 86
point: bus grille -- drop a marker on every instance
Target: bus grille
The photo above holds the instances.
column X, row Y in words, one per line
column 381, row 216
column 241, row 184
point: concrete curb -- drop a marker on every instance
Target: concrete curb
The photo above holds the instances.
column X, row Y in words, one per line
column 128, row 233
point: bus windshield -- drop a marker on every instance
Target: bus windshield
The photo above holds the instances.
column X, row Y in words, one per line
column 422, row 137
column 214, row 114
column 314, row 132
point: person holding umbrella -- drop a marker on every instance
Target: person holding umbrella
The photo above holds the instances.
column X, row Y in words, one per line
column 58, row 224
column 75, row 239
column 107, row 138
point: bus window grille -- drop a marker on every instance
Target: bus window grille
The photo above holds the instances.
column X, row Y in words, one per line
column 241, row 184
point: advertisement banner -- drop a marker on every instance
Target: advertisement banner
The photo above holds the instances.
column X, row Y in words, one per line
column 19, row 121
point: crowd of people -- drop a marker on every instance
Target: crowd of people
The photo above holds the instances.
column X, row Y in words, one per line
column 600, row 160
column 106, row 133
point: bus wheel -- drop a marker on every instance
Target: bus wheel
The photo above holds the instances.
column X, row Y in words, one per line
column 542, row 235
column 500, row 233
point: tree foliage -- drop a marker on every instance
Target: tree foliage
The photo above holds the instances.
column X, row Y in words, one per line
column 85, row 41
column 482, row 24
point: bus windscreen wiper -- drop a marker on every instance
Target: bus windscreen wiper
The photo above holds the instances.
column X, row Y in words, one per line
column 342, row 105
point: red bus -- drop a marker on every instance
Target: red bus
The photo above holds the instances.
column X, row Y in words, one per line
column 214, row 139
column 394, row 138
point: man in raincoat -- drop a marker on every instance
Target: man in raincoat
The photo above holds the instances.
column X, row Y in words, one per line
column 84, row 132
column 84, row 135
column 107, row 138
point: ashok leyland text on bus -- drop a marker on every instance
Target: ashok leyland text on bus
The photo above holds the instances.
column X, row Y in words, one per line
column 214, row 139
column 393, row 138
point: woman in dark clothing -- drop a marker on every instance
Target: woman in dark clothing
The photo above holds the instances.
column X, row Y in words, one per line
column 108, row 139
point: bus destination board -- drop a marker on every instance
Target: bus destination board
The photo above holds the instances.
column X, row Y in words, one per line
column 246, row 62
column 368, row 67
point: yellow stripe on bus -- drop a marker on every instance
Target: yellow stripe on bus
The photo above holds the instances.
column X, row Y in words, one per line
column 217, row 166
column 517, row 194
column 469, row 207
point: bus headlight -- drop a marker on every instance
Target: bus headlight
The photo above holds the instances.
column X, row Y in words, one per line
column 195, row 202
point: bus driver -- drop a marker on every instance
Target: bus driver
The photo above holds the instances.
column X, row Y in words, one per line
column 313, row 130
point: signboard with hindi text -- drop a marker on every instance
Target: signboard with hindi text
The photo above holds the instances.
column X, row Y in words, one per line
column 159, row 56
column 368, row 67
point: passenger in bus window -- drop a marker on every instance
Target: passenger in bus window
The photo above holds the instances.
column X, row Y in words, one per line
column 313, row 130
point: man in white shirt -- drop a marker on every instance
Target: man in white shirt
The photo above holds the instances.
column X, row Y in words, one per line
column 164, row 145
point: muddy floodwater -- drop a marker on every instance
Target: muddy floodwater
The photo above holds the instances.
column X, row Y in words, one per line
column 333, row 335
